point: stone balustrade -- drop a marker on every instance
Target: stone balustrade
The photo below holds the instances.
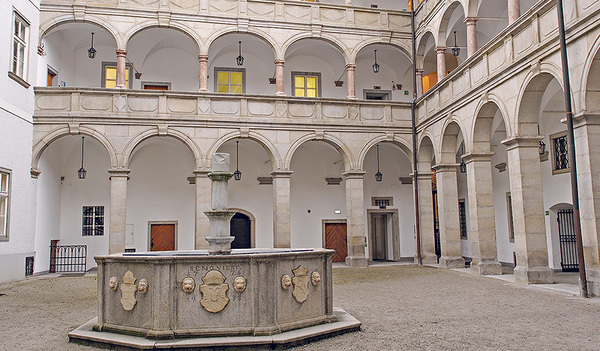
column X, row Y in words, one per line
column 57, row 104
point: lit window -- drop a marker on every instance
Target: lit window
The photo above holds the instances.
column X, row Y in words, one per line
column 560, row 153
column 19, row 47
column 109, row 74
column 4, row 203
column 93, row 221
column 306, row 84
column 230, row 80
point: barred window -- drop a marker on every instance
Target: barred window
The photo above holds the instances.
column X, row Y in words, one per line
column 93, row 221
column 4, row 203
column 462, row 216
column 560, row 153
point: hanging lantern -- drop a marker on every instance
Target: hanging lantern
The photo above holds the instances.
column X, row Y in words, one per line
column 81, row 172
column 378, row 175
column 237, row 175
column 240, row 58
column 455, row 49
column 375, row 65
column 91, row 50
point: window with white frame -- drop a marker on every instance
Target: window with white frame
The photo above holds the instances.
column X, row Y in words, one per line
column 4, row 202
column 306, row 84
column 19, row 47
column 230, row 80
column 93, row 221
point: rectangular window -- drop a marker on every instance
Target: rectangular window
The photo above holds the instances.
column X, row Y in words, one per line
column 4, row 203
column 19, row 47
column 109, row 74
column 509, row 215
column 462, row 216
column 93, row 221
column 230, row 80
column 306, row 84
column 560, row 153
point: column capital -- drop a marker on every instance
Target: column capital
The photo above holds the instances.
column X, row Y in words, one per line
column 422, row 175
column 279, row 61
column 445, row 167
column 586, row 118
column 121, row 52
column 282, row 174
column 203, row 58
column 351, row 66
column 118, row 172
column 198, row 173
column 522, row 141
column 477, row 157
column 440, row 49
column 354, row 174
column 420, row 70
column 470, row 20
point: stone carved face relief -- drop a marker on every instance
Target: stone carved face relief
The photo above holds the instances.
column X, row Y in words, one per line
column 239, row 284
column 113, row 283
column 286, row 281
column 188, row 284
column 315, row 278
column 143, row 286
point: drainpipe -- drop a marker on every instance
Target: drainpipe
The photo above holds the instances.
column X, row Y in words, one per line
column 414, row 136
column 571, row 141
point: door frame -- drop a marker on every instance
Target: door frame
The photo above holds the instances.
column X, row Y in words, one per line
column 395, row 232
column 150, row 223
column 333, row 221
column 252, row 224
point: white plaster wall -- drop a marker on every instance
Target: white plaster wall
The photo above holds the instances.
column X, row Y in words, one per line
column 311, row 164
column 16, row 108
column 500, row 181
column 462, row 186
column 158, row 190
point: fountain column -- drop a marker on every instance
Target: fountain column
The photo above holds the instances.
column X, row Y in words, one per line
column 219, row 241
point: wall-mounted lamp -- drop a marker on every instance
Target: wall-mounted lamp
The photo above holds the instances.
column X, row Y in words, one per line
column 240, row 58
column 237, row 175
column 378, row 175
column 81, row 172
column 339, row 82
column 91, row 50
column 455, row 49
column 375, row 65
column 396, row 86
column 542, row 147
column 462, row 166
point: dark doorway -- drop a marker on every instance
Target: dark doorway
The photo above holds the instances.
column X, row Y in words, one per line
column 568, row 246
column 240, row 229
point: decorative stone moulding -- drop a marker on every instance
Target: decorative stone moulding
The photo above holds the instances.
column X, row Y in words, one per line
column 248, row 292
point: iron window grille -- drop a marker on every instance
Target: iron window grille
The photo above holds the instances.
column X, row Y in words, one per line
column 560, row 153
column 462, row 215
column 93, row 221
column 382, row 202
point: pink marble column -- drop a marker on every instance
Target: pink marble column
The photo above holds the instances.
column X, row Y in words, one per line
column 441, row 62
column 419, row 82
column 203, row 60
column 279, row 85
column 514, row 10
column 471, row 35
column 350, row 68
column 121, row 54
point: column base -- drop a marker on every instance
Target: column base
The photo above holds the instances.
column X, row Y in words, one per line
column 593, row 282
column 452, row 262
column 357, row 262
column 203, row 90
column 280, row 94
column 533, row 275
column 426, row 258
column 487, row 268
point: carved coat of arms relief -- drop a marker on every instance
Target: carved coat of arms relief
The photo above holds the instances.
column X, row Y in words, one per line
column 300, row 282
column 214, row 292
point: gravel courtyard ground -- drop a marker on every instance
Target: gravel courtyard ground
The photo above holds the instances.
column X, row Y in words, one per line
column 401, row 308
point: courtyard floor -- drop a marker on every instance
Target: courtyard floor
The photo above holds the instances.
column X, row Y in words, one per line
column 401, row 307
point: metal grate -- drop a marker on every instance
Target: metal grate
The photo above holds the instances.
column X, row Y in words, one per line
column 561, row 153
column 568, row 246
column 462, row 216
column 28, row 265
column 93, row 220
column 68, row 258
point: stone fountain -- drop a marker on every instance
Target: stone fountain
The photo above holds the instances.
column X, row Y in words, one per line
column 216, row 298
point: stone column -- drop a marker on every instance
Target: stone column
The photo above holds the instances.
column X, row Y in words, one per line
column 447, row 191
column 419, row 82
column 279, row 81
column 587, row 142
column 118, row 210
column 426, row 224
column 219, row 240
column 514, row 10
column 441, row 62
column 203, row 83
column 481, row 214
column 121, row 54
column 471, row 35
column 281, row 209
column 351, row 68
column 528, row 210
column 203, row 204
column 355, row 213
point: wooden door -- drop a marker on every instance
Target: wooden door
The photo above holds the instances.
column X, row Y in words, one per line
column 379, row 236
column 162, row 237
column 240, row 229
column 336, row 239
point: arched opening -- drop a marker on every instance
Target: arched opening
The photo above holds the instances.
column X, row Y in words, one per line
column 241, row 229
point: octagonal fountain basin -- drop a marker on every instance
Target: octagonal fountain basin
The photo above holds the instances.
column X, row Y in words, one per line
column 172, row 294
